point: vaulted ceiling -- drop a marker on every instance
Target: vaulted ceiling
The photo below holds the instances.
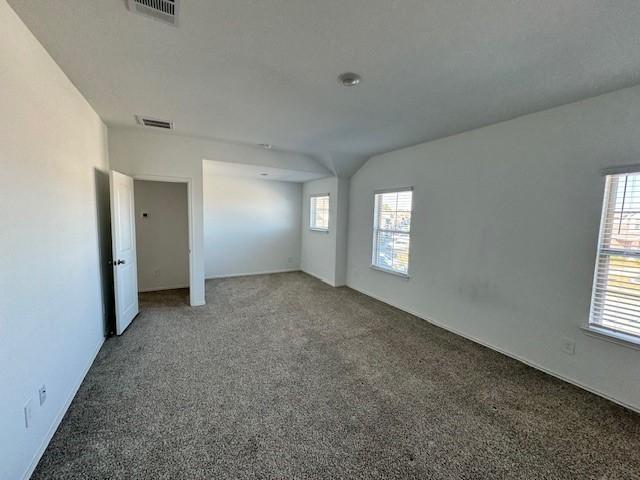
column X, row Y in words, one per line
column 264, row 71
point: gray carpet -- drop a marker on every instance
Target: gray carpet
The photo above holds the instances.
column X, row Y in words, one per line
column 281, row 376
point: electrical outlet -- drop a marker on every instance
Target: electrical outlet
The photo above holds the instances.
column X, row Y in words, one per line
column 42, row 393
column 568, row 346
column 28, row 413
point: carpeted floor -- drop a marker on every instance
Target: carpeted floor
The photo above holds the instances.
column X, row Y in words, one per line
column 281, row 376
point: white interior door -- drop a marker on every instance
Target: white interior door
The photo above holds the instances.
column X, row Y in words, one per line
column 123, row 232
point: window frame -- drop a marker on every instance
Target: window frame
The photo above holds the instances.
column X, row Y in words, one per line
column 591, row 327
column 375, row 230
column 311, row 218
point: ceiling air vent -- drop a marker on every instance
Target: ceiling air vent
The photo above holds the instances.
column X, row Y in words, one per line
column 154, row 122
column 164, row 10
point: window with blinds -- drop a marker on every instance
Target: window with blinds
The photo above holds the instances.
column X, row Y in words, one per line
column 392, row 230
column 615, row 303
column 319, row 212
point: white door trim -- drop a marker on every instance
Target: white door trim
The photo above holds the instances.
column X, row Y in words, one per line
column 188, row 180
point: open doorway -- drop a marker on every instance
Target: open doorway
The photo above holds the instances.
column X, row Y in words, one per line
column 152, row 238
column 162, row 236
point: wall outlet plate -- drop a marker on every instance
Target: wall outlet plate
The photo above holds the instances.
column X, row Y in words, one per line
column 568, row 346
column 42, row 394
column 28, row 413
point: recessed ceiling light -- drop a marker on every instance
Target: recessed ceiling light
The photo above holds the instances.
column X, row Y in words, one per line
column 266, row 146
column 264, row 174
column 349, row 79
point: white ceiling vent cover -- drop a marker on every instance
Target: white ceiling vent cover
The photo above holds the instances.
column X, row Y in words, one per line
column 164, row 10
column 154, row 122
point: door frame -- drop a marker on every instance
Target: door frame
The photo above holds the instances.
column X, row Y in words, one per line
column 188, row 180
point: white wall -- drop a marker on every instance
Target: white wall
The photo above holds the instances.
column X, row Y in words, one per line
column 323, row 254
column 137, row 151
column 342, row 225
column 162, row 237
column 250, row 226
column 504, row 235
column 318, row 253
column 53, row 160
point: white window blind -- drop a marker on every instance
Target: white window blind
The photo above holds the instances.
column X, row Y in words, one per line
column 319, row 212
column 615, row 303
column 392, row 230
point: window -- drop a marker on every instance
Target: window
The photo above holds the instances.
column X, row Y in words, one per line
column 615, row 303
column 392, row 230
column 319, row 212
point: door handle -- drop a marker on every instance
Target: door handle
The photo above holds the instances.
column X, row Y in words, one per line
column 120, row 262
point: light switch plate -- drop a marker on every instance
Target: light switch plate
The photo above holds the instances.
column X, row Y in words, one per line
column 568, row 346
column 42, row 393
column 28, row 413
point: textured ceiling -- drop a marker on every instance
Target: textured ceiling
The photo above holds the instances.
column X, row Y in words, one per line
column 257, row 172
column 255, row 71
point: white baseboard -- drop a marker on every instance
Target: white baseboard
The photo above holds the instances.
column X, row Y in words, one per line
column 324, row 280
column 161, row 289
column 500, row 350
column 63, row 410
column 248, row 274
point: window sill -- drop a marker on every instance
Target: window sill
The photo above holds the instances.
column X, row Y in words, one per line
column 619, row 338
column 319, row 230
column 391, row 272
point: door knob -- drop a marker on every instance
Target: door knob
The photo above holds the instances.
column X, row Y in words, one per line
column 120, row 262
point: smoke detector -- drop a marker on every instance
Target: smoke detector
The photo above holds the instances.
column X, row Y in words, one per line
column 349, row 79
column 164, row 10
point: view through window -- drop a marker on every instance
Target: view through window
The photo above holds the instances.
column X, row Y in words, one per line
column 615, row 304
column 319, row 212
column 392, row 230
